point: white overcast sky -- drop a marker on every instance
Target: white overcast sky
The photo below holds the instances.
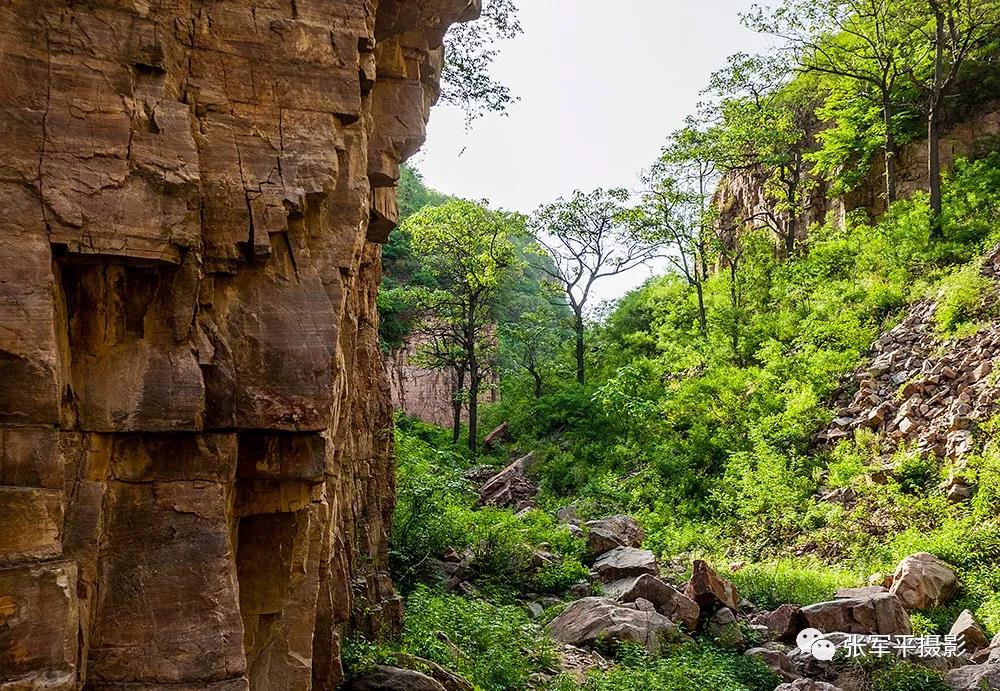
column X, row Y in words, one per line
column 601, row 84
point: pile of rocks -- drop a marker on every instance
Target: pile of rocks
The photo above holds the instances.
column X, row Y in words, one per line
column 638, row 606
column 916, row 389
column 511, row 487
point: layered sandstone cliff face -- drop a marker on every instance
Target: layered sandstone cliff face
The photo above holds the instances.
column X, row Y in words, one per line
column 195, row 444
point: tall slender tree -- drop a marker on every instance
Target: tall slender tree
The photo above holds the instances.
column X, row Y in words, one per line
column 588, row 237
column 956, row 30
column 468, row 248
column 676, row 209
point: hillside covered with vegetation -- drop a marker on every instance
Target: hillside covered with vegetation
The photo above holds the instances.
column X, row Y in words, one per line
column 710, row 404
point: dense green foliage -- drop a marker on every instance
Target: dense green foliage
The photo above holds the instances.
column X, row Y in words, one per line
column 706, row 387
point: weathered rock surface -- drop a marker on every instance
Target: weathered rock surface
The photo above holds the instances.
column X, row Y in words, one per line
column 195, row 427
column 807, row 685
column 595, row 620
column 709, row 589
column 609, row 533
column 882, row 613
column 510, row 487
column 386, row 678
column 971, row 632
column 625, row 562
column 974, row 677
column 922, row 580
column 667, row 600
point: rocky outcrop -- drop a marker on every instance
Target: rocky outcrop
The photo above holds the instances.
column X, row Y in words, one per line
column 428, row 394
column 920, row 391
column 195, row 427
column 742, row 198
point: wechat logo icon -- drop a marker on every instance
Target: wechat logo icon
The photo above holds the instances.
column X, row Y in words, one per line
column 812, row 642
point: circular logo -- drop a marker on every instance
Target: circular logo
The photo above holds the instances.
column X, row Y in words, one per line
column 806, row 638
column 823, row 650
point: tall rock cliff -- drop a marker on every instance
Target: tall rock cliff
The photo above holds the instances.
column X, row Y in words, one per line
column 195, row 441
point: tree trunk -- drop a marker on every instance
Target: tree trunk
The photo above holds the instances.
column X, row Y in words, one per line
column 934, row 172
column 580, row 373
column 734, row 301
column 473, row 410
column 474, row 375
column 933, row 129
column 702, row 318
column 890, row 152
column 538, row 382
column 456, row 406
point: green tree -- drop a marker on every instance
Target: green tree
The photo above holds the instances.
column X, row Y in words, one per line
column 468, row 248
column 864, row 45
column 466, row 80
column 676, row 210
column 956, row 30
column 586, row 238
column 762, row 131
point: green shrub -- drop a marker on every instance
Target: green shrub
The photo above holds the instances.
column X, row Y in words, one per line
column 691, row 667
column 961, row 301
column 797, row 581
column 892, row 674
column 495, row 647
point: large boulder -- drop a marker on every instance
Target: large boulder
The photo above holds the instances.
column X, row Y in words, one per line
column 922, row 581
column 783, row 623
column 709, row 589
column 625, row 562
column 972, row 634
column 609, row 533
column 510, row 488
column 974, row 677
column 667, row 600
column 881, row 614
column 595, row 620
column 386, row 678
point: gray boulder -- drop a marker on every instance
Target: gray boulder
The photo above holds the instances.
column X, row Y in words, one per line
column 598, row 620
column 625, row 562
column 667, row 600
column 386, row 678
column 974, row 677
